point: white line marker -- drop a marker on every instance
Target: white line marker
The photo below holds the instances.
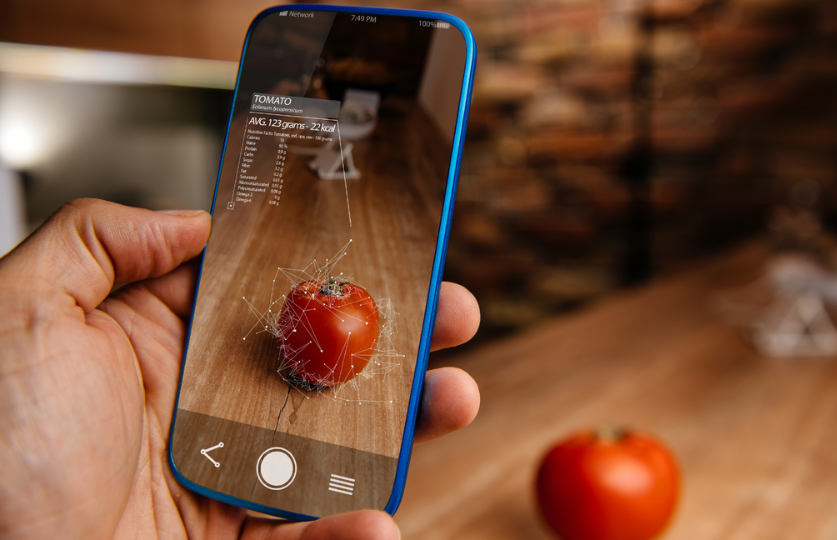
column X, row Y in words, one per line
column 342, row 484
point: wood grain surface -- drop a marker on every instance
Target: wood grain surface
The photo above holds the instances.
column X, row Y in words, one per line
column 754, row 436
column 395, row 209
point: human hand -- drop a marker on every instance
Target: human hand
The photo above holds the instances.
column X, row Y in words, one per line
column 88, row 382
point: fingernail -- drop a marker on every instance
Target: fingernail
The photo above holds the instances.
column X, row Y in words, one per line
column 182, row 213
column 397, row 528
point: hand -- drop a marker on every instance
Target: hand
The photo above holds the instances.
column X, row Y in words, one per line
column 88, row 382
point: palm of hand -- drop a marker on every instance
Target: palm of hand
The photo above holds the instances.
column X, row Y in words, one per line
column 92, row 378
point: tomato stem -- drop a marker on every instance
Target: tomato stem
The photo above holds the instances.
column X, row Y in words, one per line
column 610, row 433
column 333, row 287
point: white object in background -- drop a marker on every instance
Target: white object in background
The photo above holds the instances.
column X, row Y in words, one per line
column 357, row 120
column 796, row 324
column 787, row 312
column 12, row 210
column 358, row 114
column 331, row 164
column 796, row 273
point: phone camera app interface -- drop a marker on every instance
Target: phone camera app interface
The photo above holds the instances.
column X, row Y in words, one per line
column 314, row 285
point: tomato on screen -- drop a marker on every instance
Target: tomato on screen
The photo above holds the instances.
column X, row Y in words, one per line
column 328, row 331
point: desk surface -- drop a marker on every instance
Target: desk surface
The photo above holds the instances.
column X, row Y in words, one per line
column 755, row 436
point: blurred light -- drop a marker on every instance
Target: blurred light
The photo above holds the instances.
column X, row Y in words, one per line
column 110, row 67
column 20, row 147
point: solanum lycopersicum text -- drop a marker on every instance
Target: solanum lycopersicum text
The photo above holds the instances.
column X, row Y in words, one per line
column 328, row 331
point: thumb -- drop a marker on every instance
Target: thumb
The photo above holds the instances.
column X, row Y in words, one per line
column 89, row 245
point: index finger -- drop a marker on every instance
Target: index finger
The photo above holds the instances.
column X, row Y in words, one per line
column 457, row 317
column 89, row 245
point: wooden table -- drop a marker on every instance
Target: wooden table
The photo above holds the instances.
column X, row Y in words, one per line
column 755, row 436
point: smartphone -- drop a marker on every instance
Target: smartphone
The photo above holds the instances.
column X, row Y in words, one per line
column 318, row 287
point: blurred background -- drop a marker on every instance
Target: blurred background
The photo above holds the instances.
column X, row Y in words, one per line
column 609, row 141
column 645, row 213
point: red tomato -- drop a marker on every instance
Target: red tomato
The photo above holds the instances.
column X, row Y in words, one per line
column 608, row 485
column 328, row 331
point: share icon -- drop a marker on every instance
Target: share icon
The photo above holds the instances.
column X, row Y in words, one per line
column 206, row 452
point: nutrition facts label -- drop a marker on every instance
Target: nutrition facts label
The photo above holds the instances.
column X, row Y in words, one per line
column 287, row 124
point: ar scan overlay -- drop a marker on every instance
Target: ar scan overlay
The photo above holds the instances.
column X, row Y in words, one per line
column 314, row 285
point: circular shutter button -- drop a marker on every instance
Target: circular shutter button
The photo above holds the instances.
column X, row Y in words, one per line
column 276, row 468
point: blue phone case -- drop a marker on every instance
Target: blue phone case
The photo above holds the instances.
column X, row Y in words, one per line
column 438, row 262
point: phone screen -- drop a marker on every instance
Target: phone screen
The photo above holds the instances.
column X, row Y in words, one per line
column 311, row 303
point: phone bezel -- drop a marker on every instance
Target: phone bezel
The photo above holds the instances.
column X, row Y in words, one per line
column 438, row 262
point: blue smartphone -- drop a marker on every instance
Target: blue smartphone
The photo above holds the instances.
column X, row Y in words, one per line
column 318, row 288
